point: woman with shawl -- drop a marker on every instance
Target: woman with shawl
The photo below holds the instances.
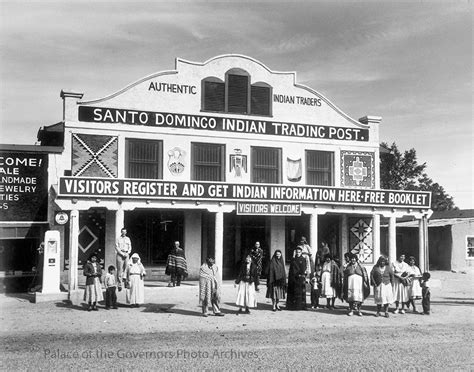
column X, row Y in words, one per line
column 356, row 285
column 135, row 274
column 414, row 287
column 381, row 277
column 93, row 292
column 400, row 290
column 276, row 282
column 297, row 282
column 209, row 287
column 248, row 282
column 176, row 265
column 331, row 281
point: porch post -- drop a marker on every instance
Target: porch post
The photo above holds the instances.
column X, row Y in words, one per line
column 344, row 237
column 376, row 237
column 219, row 241
column 421, row 244
column 313, row 235
column 119, row 221
column 392, row 239
column 73, row 251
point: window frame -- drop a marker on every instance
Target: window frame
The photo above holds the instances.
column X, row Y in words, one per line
column 159, row 162
column 320, row 170
column 222, row 150
column 279, row 163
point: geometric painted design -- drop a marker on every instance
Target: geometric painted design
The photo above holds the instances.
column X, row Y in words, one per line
column 357, row 169
column 361, row 229
column 94, row 156
column 363, row 251
column 361, row 238
column 86, row 239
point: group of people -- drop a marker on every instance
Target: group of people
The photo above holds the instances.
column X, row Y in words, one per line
column 399, row 283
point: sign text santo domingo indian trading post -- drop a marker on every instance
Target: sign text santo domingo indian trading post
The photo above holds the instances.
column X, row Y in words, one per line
column 215, row 123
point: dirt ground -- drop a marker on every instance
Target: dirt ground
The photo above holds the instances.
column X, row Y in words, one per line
column 169, row 333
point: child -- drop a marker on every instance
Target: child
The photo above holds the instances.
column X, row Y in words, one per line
column 316, row 287
column 425, row 291
column 93, row 273
column 110, row 289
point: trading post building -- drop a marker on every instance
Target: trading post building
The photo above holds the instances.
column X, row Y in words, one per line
column 219, row 155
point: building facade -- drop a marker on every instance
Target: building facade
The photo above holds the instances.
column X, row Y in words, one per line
column 219, row 155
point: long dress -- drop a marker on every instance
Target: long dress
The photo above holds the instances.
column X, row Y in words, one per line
column 136, row 293
column 93, row 291
column 414, row 288
column 382, row 278
column 356, row 286
column 247, row 281
column 400, row 290
column 297, row 284
column 331, row 280
column 276, row 282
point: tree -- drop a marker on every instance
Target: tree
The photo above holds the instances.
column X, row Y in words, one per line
column 402, row 172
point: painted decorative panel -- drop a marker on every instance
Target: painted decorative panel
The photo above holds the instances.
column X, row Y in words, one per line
column 361, row 238
column 94, row 156
column 357, row 169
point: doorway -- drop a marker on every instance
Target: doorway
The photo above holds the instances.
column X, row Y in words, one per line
column 153, row 233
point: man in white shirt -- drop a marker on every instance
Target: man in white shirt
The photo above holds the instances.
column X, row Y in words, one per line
column 123, row 247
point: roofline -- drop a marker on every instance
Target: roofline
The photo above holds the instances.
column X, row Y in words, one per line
column 32, row 148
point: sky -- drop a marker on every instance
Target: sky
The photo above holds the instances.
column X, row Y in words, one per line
column 409, row 62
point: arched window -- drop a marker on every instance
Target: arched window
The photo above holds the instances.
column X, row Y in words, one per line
column 260, row 99
column 237, row 91
column 213, row 94
column 236, row 95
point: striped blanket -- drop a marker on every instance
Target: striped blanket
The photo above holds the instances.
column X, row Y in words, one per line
column 176, row 263
column 209, row 284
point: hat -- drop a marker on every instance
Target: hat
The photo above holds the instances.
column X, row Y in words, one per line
column 135, row 255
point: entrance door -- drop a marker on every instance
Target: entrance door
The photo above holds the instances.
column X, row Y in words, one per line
column 153, row 233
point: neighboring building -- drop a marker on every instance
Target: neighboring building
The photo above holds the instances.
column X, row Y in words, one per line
column 23, row 212
column 218, row 155
column 450, row 237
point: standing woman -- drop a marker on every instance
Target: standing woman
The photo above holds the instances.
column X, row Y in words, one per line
column 356, row 285
column 93, row 272
column 331, row 280
column 381, row 277
column 297, row 282
column 414, row 287
column 248, row 284
column 276, row 282
column 135, row 274
column 400, row 290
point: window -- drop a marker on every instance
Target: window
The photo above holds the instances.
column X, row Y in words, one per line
column 207, row 162
column 144, row 159
column 470, row 247
column 319, row 168
column 266, row 165
column 260, row 100
column 236, row 94
column 214, row 95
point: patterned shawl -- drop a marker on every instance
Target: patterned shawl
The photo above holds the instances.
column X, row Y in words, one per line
column 277, row 271
column 209, row 284
column 176, row 263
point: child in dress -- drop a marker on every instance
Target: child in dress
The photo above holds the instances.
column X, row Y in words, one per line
column 93, row 272
column 425, row 291
column 110, row 288
column 316, row 287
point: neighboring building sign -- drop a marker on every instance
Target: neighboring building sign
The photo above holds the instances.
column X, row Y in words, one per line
column 280, row 209
column 222, row 124
column 151, row 189
column 23, row 186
